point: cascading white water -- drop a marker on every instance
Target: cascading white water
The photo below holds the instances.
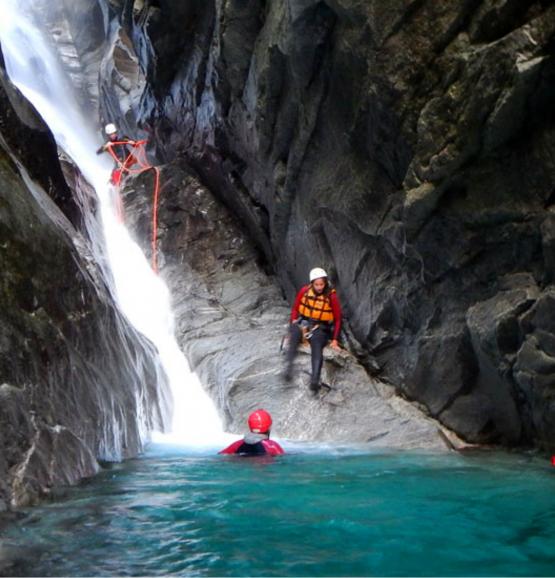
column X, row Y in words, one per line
column 33, row 64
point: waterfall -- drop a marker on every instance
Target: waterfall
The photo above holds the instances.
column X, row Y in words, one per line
column 34, row 65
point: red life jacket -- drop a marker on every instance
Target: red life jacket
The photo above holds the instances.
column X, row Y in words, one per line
column 261, row 448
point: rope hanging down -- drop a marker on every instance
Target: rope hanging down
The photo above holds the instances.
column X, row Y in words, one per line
column 138, row 157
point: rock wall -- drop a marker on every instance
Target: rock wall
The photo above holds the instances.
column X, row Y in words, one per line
column 77, row 383
column 27, row 137
column 405, row 146
column 232, row 317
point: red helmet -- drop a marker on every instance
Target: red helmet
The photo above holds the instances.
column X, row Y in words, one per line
column 260, row 421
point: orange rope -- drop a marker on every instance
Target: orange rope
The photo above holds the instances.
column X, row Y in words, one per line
column 155, row 219
column 139, row 157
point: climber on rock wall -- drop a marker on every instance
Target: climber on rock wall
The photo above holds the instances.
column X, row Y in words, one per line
column 316, row 317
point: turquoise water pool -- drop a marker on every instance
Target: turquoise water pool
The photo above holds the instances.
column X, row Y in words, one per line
column 309, row 513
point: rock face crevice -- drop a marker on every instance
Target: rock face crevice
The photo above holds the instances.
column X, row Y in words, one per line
column 406, row 147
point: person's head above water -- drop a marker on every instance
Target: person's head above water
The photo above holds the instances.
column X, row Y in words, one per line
column 318, row 279
column 257, row 442
column 260, row 422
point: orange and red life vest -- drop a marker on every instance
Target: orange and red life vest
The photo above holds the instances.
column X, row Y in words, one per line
column 316, row 307
column 310, row 305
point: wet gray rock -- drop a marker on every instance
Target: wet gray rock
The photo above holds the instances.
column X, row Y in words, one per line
column 496, row 337
column 77, row 383
column 534, row 367
column 24, row 134
column 231, row 321
column 407, row 147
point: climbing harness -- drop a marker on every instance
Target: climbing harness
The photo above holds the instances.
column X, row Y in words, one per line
column 126, row 167
column 308, row 333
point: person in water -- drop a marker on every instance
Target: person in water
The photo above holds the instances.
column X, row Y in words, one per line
column 120, row 150
column 316, row 315
column 257, row 442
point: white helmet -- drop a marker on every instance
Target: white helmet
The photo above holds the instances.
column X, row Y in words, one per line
column 110, row 128
column 317, row 273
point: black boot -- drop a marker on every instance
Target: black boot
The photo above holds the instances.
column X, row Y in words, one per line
column 314, row 387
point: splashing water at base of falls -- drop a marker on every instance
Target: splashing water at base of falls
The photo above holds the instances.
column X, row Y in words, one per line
column 33, row 64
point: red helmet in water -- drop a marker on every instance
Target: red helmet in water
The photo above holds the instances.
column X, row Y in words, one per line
column 260, row 421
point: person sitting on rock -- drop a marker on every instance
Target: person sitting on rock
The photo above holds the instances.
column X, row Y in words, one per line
column 316, row 316
column 119, row 148
column 258, row 442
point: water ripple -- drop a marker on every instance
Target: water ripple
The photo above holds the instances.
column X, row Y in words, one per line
column 304, row 514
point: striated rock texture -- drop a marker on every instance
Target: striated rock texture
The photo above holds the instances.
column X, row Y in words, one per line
column 25, row 135
column 409, row 148
column 232, row 318
column 77, row 384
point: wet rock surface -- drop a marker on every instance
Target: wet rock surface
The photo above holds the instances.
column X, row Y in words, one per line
column 77, row 384
column 408, row 148
column 231, row 320
column 27, row 138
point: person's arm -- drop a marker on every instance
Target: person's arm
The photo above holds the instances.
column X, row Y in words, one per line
column 336, row 308
column 295, row 308
column 128, row 141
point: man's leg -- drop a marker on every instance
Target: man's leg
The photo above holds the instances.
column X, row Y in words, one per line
column 295, row 337
column 318, row 341
column 116, row 177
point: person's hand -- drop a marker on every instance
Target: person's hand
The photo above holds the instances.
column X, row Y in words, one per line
column 335, row 345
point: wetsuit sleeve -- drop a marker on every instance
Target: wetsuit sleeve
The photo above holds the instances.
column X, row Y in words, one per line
column 231, row 449
column 295, row 309
column 272, row 448
column 336, row 308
